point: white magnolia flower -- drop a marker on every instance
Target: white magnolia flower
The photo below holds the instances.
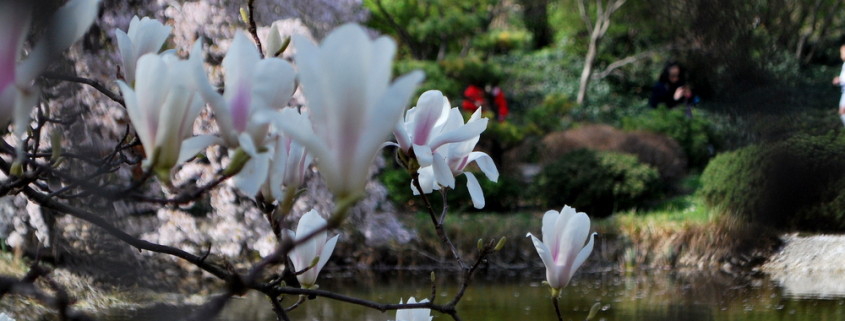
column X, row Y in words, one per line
column 18, row 94
column 163, row 106
column 353, row 104
column 430, row 124
column 255, row 89
column 319, row 248
column 413, row 314
column 288, row 166
column 440, row 166
column 562, row 249
column 144, row 36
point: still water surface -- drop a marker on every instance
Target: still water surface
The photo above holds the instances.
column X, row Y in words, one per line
column 653, row 296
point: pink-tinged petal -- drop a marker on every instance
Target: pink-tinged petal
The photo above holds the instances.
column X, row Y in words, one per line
column 68, row 24
column 475, row 191
column 582, row 255
column 239, row 63
column 240, row 106
column 442, row 173
column 486, row 164
column 546, row 257
column 403, row 141
column 14, row 25
column 428, row 111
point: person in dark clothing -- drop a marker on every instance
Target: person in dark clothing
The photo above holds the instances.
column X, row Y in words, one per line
column 671, row 88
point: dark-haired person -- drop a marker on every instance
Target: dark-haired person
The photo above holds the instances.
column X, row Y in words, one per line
column 671, row 88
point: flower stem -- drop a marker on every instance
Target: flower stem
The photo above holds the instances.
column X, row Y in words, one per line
column 556, row 304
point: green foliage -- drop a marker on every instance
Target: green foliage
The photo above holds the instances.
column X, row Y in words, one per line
column 471, row 70
column 435, row 77
column 430, row 28
column 693, row 134
column 397, row 180
column 598, row 183
column 503, row 41
column 551, row 115
column 798, row 183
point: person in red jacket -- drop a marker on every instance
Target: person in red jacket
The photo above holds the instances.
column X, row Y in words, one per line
column 500, row 103
column 474, row 98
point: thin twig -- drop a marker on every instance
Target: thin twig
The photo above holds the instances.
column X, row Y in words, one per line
column 438, row 225
column 253, row 29
column 90, row 82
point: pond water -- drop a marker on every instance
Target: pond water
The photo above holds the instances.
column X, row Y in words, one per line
column 651, row 296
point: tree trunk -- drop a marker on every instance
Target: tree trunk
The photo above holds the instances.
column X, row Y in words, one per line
column 587, row 72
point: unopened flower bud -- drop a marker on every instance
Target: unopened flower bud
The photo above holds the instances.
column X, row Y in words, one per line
column 501, row 243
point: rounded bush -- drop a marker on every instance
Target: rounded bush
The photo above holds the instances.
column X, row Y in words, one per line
column 597, row 183
column 798, row 183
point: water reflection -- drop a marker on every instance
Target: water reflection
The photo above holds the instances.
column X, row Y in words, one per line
column 520, row 296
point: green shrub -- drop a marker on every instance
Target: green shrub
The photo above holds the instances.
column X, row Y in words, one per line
column 798, row 183
column 471, row 70
column 503, row 41
column 435, row 78
column 693, row 134
column 598, row 183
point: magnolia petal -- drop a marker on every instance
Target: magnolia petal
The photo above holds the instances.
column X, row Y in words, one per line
column 549, row 236
column 465, row 132
column 572, row 237
column 168, row 138
column 273, row 81
column 486, row 164
column 442, row 173
column 423, row 154
column 475, row 191
column 239, row 63
column 148, row 35
column 195, row 145
column 298, row 127
column 583, row 255
column 426, row 180
column 428, row 110
column 326, row 253
column 403, row 141
column 546, row 257
column 248, row 145
column 137, row 117
column 67, row 25
column 253, row 174
column 124, row 46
